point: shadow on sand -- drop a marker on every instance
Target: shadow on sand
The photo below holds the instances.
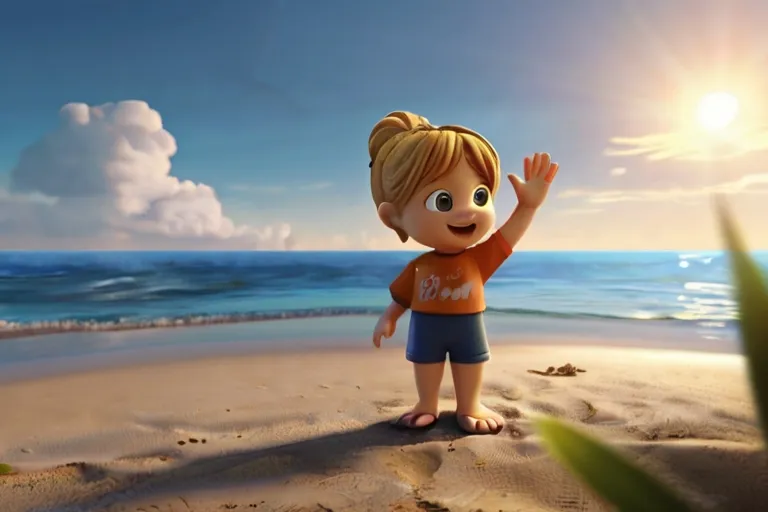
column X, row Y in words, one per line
column 318, row 455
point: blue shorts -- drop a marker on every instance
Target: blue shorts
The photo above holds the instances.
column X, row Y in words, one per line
column 462, row 337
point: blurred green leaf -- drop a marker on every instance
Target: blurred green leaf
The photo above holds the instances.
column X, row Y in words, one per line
column 5, row 469
column 619, row 481
column 612, row 476
column 752, row 299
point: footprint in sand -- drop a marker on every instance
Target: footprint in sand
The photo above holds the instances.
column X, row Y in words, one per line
column 539, row 385
column 507, row 393
column 547, row 408
column 414, row 466
column 386, row 406
column 508, row 413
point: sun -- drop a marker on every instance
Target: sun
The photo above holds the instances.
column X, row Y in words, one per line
column 717, row 110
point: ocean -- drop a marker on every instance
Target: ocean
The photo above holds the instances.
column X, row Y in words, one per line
column 105, row 290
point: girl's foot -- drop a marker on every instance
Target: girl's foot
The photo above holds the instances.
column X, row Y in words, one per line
column 416, row 419
column 480, row 420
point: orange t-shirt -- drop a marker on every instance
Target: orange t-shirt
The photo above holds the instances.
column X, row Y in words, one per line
column 450, row 284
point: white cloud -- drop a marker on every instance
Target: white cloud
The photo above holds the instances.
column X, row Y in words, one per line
column 750, row 184
column 692, row 145
column 104, row 174
column 618, row 171
column 578, row 211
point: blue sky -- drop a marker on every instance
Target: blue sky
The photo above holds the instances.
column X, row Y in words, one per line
column 271, row 103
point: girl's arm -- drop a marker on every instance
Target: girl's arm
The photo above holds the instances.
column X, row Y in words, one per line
column 517, row 224
column 402, row 291
column 531, row 192
column 387, row 324
column 394, row 311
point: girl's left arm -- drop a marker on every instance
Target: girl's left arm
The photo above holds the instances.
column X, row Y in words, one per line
column 539, row 171
column 517, row 224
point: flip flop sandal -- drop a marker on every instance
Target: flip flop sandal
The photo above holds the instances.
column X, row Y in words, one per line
column 409, row 423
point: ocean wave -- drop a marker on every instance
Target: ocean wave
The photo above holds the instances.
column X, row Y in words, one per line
column 60, row 292
column 683, row 316
column 112, row 282
column 105, row 323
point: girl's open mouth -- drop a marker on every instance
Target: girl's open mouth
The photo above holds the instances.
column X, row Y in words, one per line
column 462, row 230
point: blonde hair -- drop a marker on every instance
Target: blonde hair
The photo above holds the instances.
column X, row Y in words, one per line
column 407, row 153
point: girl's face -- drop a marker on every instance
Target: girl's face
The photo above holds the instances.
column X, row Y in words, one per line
column 452, row 213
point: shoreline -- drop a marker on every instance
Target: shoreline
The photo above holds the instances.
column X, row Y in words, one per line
column 57, row 353
column 15, row 330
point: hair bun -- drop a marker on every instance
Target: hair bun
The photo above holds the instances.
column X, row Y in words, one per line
column 392, row 125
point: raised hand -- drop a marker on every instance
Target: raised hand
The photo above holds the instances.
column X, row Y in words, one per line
column 539, row 172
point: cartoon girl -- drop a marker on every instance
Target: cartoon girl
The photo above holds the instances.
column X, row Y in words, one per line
column 436, row 184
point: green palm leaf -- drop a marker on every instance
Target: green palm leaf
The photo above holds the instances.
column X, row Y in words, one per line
column 619, row 481
column 752, row 299
column 616, row 479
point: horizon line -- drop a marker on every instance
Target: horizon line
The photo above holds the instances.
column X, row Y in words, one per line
column 684, row 250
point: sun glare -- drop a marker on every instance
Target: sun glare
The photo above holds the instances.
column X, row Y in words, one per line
column 717, row 111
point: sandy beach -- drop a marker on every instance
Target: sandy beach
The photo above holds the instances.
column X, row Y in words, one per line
column 309, row 431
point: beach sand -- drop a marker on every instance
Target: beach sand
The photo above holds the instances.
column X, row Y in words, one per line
column 308, row 431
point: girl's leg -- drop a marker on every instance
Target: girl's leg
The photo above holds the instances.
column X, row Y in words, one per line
column 473, row 416
column 427, row 354
column 428, row 379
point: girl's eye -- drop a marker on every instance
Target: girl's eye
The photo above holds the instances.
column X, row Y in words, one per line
column 481, row 196
column 439, row 201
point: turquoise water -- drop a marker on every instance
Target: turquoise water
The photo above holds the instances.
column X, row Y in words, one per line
column 134, row 287
column 647, row 299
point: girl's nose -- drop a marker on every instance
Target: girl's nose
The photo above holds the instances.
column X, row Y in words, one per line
column 463, row 217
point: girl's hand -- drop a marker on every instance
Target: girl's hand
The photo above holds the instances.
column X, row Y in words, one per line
column 539, row 173
column 385, row 328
